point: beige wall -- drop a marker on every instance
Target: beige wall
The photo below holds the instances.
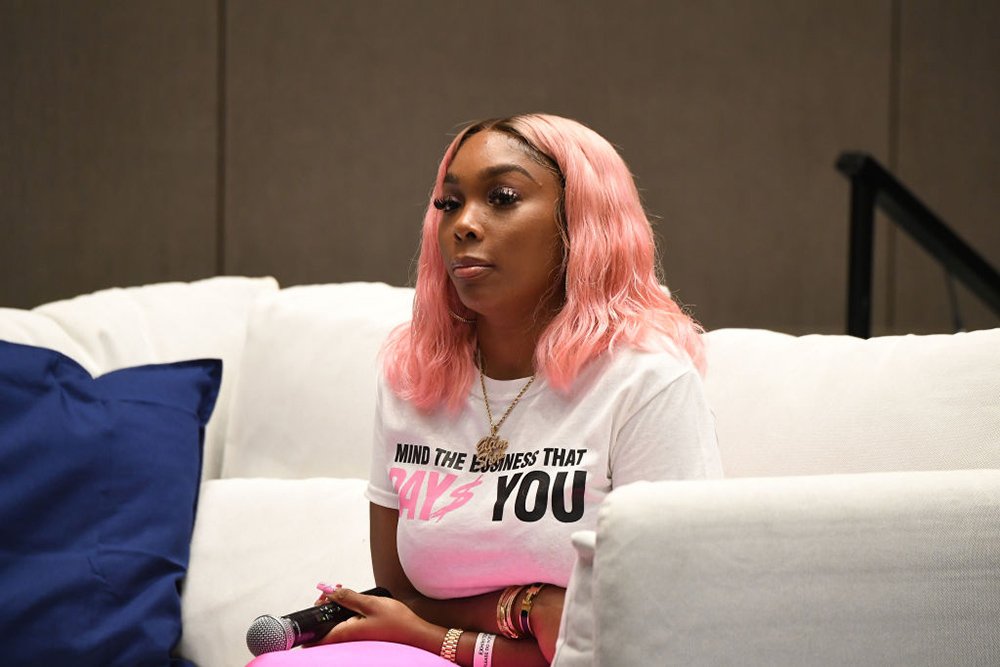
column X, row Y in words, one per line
column 107, row 145
column 171, row 140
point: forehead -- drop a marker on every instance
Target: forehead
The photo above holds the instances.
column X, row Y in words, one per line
column 486, row 150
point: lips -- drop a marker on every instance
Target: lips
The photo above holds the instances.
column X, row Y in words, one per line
column 467, row 268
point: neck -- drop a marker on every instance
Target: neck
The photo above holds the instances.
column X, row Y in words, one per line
column 507, row 339
column 508, row 353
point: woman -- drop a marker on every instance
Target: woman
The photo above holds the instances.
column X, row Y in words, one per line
column 544, row 366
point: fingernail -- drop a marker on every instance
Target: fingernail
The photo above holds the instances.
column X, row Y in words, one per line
column 326, row 588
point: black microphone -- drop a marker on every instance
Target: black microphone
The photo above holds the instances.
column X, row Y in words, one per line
column 268, row 634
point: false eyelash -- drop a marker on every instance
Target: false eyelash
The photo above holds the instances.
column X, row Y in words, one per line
column 446, row 204
column 508, row 194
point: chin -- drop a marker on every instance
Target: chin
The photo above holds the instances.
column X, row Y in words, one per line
column 473, row 297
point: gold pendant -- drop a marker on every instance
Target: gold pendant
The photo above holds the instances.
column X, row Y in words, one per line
column 491, row 449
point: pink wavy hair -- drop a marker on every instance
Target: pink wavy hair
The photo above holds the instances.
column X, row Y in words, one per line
column 613, row 294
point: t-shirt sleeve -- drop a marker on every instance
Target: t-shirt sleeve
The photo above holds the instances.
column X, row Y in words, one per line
column 671, row 435
column 380, row 490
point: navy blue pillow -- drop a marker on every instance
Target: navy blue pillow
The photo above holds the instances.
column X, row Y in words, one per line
column 98, row 486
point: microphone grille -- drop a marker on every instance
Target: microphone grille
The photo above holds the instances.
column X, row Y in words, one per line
column 268, row 634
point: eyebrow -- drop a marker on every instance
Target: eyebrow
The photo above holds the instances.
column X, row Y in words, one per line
column 493, row 172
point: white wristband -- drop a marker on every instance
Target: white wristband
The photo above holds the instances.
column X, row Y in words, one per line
column 483, row 655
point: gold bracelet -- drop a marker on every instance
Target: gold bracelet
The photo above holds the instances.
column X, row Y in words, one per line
column 449, row 647
column 526, row 605
column 504, row 621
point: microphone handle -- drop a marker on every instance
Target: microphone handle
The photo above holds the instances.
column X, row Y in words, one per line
column 313, row 623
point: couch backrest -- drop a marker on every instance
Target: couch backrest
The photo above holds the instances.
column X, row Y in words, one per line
column 161, row 323
column 300, row 365
column 815, row 404
column 305, row 404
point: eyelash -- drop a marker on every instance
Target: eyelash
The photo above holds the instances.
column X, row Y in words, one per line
column 447, row 204
column 502, row 196
column 507, row 194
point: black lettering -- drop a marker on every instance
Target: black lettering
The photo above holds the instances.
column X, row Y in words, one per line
column 407, row 453
column 521, row 509
column 503, row 493
column 575, row 512
column 447, row 459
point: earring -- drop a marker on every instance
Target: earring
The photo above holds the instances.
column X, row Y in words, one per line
column 458, row 317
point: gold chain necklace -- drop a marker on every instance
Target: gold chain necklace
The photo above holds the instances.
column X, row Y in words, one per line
column 491, row 449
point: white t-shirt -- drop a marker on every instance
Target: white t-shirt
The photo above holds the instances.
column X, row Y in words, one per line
column 463, row 530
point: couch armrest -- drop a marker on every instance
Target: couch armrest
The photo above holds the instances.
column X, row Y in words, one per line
column 888, row 568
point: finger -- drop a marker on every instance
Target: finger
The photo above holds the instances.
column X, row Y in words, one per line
column 352, row 600
column 327, row 588
column 347, row 631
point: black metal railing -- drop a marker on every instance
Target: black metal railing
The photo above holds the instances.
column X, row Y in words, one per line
column 872, row 185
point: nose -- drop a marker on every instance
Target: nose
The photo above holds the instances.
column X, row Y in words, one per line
column 467, row 226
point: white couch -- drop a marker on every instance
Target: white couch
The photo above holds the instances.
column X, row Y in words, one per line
column 864, row 528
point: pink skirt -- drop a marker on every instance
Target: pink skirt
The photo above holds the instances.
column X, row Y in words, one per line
column 352, row 654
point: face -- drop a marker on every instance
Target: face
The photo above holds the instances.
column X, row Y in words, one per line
column 499, row 235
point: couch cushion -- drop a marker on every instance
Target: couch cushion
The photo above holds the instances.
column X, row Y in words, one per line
column 817, row 404
column 100, row 479
column 305, row 403
column 575, row 645
column 872, row 569
column 259, row 547
column 159, row 323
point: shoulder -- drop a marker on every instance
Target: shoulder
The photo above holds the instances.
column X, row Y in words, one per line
column 654, row 369
column 630, row 378
column 386, row 398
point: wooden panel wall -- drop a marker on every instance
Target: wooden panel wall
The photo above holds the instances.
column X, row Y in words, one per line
column 949, row 151
column 172, row 140
column 730, row 114
column 107, row 145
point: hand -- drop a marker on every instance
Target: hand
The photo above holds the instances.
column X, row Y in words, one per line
column 546, row 615
column 381, row 619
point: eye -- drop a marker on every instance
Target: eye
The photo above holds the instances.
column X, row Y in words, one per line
column 503, row 196
column 447, row 204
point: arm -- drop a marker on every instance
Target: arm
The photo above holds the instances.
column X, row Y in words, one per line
column 473, row 614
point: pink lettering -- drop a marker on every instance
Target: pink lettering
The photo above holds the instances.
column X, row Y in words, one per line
column 409, row 493
column 396, row 476
column 462, row 495
column 434, row 490
column 410, row 487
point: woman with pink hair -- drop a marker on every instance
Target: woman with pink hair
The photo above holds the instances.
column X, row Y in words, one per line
column 544, row 366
